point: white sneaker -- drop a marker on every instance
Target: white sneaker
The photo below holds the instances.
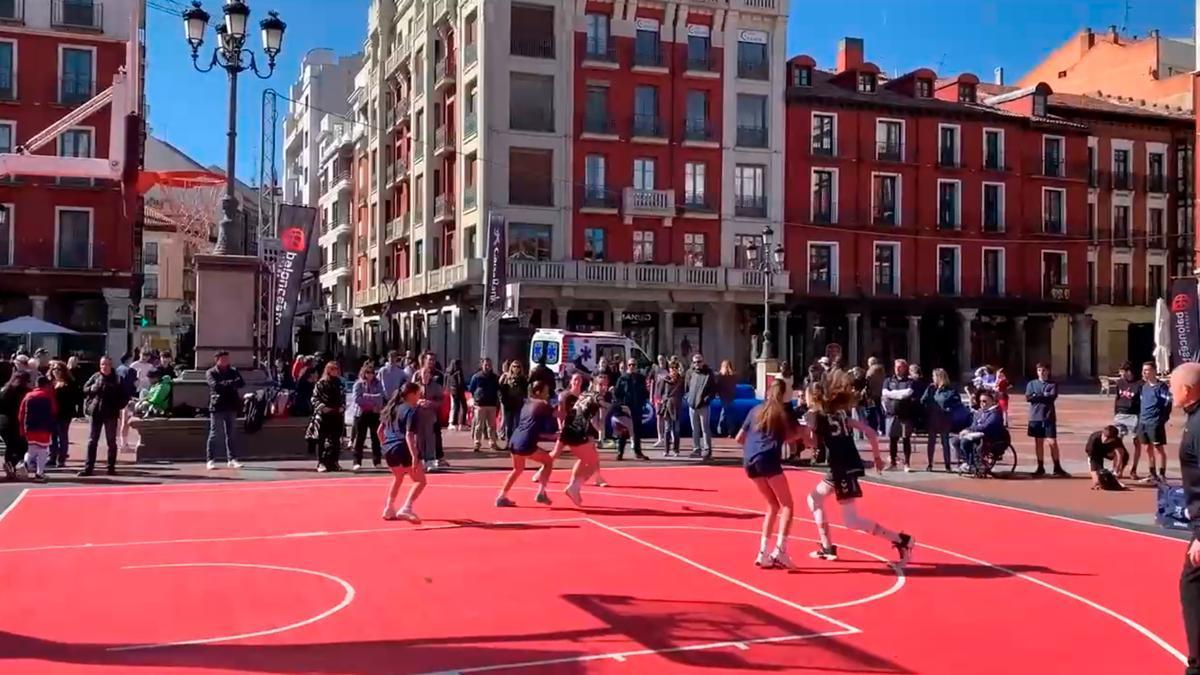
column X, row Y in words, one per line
column 322, row 469
column 356, row 468
column 658, row 444
column 408, row 514
column 907, row 469
column 779, row 558
column 537, row 475
column 234, row 464
column 600, row 482
column 389, row 513
column 572, row 492
column 763, row 560
column 212, row 465
column 442, row 464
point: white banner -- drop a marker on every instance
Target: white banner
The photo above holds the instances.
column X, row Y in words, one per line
column 757, row 37
column 698, row 31
column 646, row 24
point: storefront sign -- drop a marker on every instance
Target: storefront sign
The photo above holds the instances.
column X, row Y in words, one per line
column 698, row 31
column 638, row 318
column 1185, row 321
column 646, row 24
column 757, row 37
column 295, row 227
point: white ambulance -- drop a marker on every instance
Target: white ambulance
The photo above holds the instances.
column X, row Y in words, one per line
column 564, row 348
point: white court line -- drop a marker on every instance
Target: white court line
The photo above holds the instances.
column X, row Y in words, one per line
column 895, row 588
column 13, row 504
column 347, row 598
column 850, row 630
column 1145, row 632
column 289, row 535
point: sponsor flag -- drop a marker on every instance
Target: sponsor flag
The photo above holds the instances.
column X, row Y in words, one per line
column 295, row 225
column 496, row 279
column 1185, row 321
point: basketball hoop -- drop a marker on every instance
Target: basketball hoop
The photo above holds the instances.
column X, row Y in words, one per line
column 187, row 201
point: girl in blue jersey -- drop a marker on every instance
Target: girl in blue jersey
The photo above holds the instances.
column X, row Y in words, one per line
column 398, row 434
column 830, row 401
column 767, row 429
column 536, row 424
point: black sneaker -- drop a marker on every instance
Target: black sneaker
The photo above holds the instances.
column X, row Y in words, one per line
column 904, row 548
column 825, row 553
column 112, row 471
column 1061, row 472
column 696, row 454
column 1039, row 472
column 86, row 471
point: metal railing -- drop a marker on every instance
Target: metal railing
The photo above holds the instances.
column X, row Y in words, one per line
column 605, row 53
column 1122, row 180
column 531, row 47
column 648, row 58
column 647, row 126
column 443, row 207
column 470, row 125
column 443, row 73
column 79, row 14
column 1156, row 182
column 750, row 206
column 754, row 70
column 886, row 151
column 752, row 137
column 75, row 90
column 470, row 198
column 701, row 63
column 529, row 118
column 695, row 129
column 595, row 123
column 597, row 197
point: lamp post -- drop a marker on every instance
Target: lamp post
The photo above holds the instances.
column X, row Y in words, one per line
column 231, row 56
column 768, row 264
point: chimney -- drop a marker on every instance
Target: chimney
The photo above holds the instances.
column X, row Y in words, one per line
column 999, row 76
column 1087, row 40
column 1112, row 32
column 850, row 54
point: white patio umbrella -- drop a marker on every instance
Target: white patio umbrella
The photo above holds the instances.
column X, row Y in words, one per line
column 1162, row 337
column 30, row 326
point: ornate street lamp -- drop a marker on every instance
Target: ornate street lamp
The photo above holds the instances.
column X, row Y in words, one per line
column 231, row 55
column 758, row 259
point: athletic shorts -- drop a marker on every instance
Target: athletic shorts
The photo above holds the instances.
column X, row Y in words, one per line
column 1042, row 430
column 1152, row 434
column 845, row 488
column 522, row 453
column 764, row 466
column 1125, row 423
column 398, row 457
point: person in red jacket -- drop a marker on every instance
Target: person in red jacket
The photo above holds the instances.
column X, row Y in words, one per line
column 38, row 417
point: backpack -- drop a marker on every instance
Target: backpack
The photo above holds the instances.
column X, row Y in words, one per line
column 1172, row 510
column 254, row 410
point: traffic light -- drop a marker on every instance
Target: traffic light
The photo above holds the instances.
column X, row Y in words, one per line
column 141, row 321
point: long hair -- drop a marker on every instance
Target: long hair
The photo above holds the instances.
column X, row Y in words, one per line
column 20, row 378
column 388, row 413
column 332, row 370
column 566, row 402
column 832, row 392
column 773, row 417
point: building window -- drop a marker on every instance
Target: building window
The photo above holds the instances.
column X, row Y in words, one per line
column 699, row 49
column 885, row 199
column 824, row 134
column 741, row 244
column 1052, row 156
column 77, row 78
column 74, row 240
column 1054, row 213
column 1093, row 232
column 598, row 36
column 1092, row 283
column 150, row 314
column 150, row 286
column 1156, row 230
column 8, row 73
column 1121, row 177
column 966, row 93
column 643, row 173
column 1155, row 176
column 6, row 136
column 822, row 274
column 643, row 246
column 532, row 31
column 948, row 270
column 150, row 253
column 1156, row 283
column 647, row 45
column 593, row 244
column 645, row 112
column 529, row 241
column 696, row 122
column 419, row 256
column 596, row 119
column 866, row 83
column 1121, row 294
column 924, row 88
column 887, row 277
column 889, row 141
column 695, row 194
column 752, row 121
column 949, row 204
column 1121, row 232
column 749, row 190
column 802, row 76
column 1039, row 105
column 993, row 272
column 993, row 149
column 531, row 177
column 531, row 102
column 948, row 149
column 993, row 207
column 1054, row 275
column 752, row 56
column 824, row 196
column 693, row 250
column 595, row 190
column 7, row 229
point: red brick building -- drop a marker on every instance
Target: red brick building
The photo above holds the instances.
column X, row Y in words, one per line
column 67, row 251
column 925, row 222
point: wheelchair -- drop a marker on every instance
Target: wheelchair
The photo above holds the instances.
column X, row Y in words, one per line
column 994, row 457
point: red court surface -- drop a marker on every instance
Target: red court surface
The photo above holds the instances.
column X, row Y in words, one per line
column 653, row 574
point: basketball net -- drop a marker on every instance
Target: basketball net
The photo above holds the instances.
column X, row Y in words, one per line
column 190, row 202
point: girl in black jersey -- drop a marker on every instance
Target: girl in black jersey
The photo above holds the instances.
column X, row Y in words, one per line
column 830, row 401
column 575, row 432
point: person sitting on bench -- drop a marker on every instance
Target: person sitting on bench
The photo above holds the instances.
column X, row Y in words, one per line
column 1102, row 445
column 986, row 433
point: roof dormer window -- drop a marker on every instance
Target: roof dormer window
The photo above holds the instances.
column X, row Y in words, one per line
column 866, row 83
column 802, row 76
column 966, row 93
column 1039, row 105
column 924, row 88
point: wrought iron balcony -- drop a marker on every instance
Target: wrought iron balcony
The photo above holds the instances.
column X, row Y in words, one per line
column 754, row 70
column 752, row 137
column 597, row 197
column 648, row 126
column 750, row 206
column 698, row 129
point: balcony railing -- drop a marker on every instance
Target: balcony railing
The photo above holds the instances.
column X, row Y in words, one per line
column 993, row 163
column 443, row 141
column 470, row 54
column 886, row 151
column 1093, row 177
column 698, row 130
column 754, row 70
column 947, row 160
column 8, row 85
column 396, row 229
column 1122, row 181
column 443, row 207
column 1053, row 167
column 470, row 125
column 701, row 63
column 1156, row 183
column 648, row 126
column 627, row 275
column 698, row 202
column 531, row 47
column 752, row 137
column 823, row 146
column 597, row 123
column 597, row 197
column 334, row 266
column 12, row 11
column 750, row 206
column 470, row 197
column 532, row 117
column 885, row 214
column 443, row 73
column 605, row 53
column 648, row 58
column 639, row 202
column 1059, row 292
column 77, row 14
column 401, row 112
column 1053, row 225
column 74, row 91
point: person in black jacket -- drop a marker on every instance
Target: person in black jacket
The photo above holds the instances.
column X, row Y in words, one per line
column 700, row 387
column 224, row 403
column 66, row 398
column 106, row 396
column 1185, row 392
column 328, row 424
column 1126, row 407
column 10, row 429
column 630, row 397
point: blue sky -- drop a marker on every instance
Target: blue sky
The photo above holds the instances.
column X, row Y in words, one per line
column 189, row 109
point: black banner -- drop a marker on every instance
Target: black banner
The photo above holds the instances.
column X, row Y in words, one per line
column 496, row 278
column 1185, row 321
column 295, row 225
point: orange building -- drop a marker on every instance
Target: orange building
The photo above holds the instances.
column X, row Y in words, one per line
column 1153, row 69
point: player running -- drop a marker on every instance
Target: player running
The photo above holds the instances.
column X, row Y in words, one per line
column 398, row 434
column 830, row 401
column 537, row 417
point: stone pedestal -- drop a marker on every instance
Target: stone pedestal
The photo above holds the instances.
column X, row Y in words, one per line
column 764, row 371
column 965, row 366
column 226, row 299
column 852, row 355
column 914, row 339
column 117, row 300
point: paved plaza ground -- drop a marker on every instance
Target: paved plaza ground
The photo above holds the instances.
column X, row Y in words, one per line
column 1078, row 416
